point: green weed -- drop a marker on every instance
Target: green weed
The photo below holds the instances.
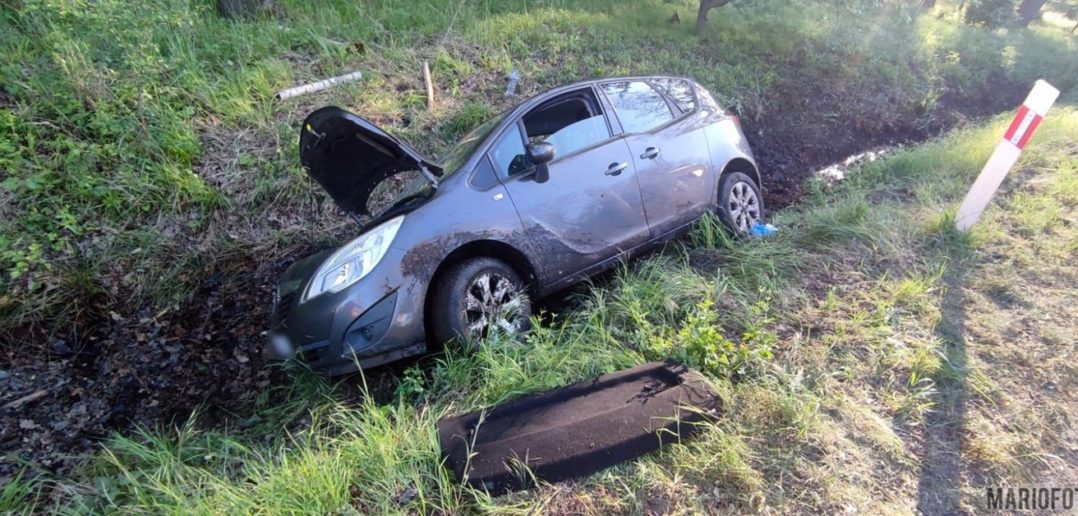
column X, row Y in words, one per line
column 19, row 495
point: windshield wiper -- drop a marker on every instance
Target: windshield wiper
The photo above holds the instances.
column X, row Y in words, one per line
column 407, row 199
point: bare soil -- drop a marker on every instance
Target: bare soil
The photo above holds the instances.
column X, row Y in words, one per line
column 803, row 132
column 141, row 369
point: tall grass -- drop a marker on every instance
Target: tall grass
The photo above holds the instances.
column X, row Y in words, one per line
column 19, row 495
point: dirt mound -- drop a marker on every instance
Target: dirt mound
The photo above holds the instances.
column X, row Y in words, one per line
column 804, row 130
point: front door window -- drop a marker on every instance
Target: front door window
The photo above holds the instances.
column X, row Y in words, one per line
column 570, row 122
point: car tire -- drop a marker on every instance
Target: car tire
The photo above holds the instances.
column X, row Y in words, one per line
column 477, row 296
column 740, row 203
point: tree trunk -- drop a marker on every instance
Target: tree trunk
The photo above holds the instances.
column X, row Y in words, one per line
column 1028, row 11
column 701, row 15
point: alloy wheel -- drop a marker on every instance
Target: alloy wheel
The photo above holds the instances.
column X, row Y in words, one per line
column 493, row 302
column 744, row 206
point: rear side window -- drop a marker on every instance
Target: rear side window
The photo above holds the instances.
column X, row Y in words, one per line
column 678, row 90
column 639, row 107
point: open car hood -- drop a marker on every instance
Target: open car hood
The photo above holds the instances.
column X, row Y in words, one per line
column 349, row 156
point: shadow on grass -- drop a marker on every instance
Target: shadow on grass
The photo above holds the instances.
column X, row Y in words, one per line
column 939, row 484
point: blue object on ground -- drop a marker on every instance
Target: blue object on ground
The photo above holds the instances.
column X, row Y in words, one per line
column 760, row 229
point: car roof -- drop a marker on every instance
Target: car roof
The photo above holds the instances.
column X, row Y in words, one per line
column 539, row 98
column 588, row 82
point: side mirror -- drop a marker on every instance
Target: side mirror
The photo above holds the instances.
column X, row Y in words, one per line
column 539, row 154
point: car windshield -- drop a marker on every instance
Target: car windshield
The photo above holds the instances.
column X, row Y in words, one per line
column 396, row 191
column 407, row 187
column 460, row 153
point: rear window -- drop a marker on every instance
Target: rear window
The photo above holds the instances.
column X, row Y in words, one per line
column 678, row 90
column 639, row 107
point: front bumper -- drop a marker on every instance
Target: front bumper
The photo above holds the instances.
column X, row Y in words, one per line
column 369, row 323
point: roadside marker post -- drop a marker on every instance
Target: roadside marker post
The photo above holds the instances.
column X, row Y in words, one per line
column 1029, row 116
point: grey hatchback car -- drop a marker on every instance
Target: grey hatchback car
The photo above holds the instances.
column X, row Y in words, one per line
column 551, row 191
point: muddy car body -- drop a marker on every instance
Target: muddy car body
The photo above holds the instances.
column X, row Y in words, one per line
column 556, row 189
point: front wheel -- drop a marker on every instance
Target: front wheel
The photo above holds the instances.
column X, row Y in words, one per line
column 740, row 203
column 479, row 296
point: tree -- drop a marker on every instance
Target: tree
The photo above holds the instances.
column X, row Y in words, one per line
column 991, row 13
column 1028, row 11
column 701, row 15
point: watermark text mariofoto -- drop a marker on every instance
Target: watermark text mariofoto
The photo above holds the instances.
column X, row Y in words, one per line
column 1031, row 498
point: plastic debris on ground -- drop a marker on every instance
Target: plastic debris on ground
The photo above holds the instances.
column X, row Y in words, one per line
column 511, row 88
column 762, row 230
column 577, row 430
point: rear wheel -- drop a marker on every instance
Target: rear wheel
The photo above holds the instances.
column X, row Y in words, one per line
column 477, row 297
column 740, row 202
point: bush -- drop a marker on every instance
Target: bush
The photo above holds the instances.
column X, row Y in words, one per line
column 991, row 13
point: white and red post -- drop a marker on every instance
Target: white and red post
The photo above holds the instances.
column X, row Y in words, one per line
column 1029, row 116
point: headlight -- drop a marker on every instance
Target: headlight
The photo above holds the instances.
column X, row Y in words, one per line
column 353, row 260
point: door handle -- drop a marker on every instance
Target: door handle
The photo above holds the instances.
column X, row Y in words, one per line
column 650, row 153
column 615, row 168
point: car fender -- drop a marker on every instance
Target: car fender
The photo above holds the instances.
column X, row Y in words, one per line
column 444, row 230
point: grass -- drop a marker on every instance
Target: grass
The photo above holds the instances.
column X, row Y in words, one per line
column 19, row 495
column 143, row 151
column 870, row 358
